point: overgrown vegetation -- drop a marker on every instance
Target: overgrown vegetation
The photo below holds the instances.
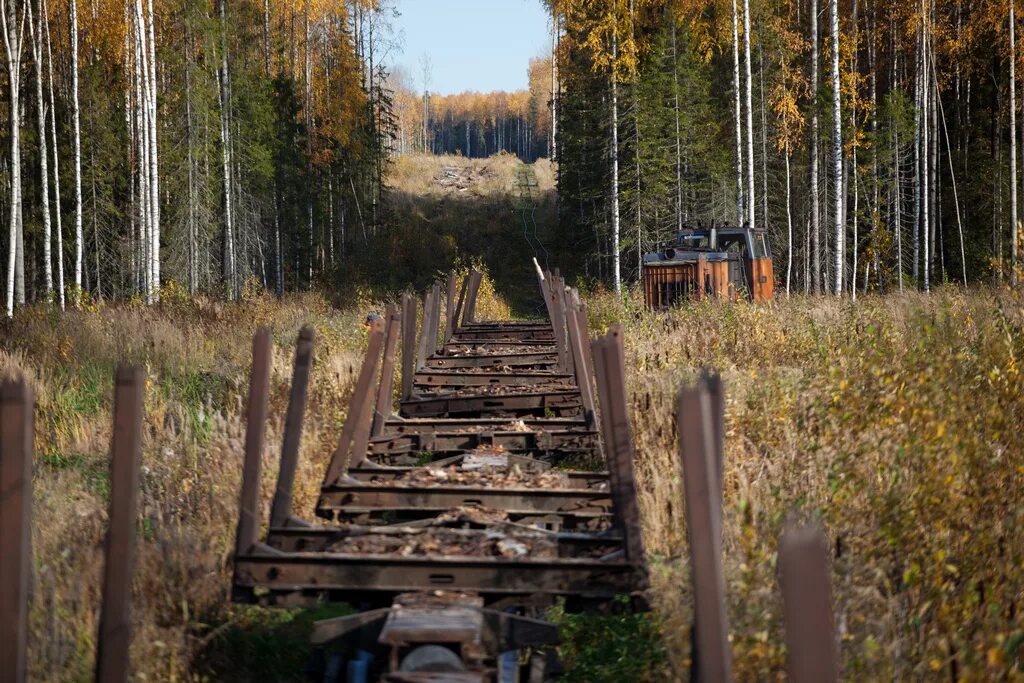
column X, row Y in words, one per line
column 893, row 422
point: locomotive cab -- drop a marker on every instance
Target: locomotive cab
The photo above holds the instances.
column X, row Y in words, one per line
column 721, row 262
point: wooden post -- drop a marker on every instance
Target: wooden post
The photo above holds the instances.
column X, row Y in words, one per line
column 256, row 421
column 618, row 440
column 807, row 605
column 16, row 431
column 408, row 344
column 383, row 408
column 115, row 634
column 281, row 508
column 712, row 657
column 357, row 422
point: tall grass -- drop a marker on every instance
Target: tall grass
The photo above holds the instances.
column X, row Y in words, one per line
column 196, row 356
column 896, row 422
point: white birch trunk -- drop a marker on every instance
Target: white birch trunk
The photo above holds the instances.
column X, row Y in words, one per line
column 738, row 116
column 36, row 35
column 751, row 201
column 154, row 166
column 56, row 160
column 13, row 29
column 815, row 199
column 616, row 260
column 837, row 151
column 76, row 129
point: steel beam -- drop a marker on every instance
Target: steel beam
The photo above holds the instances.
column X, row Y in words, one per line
column 115, row 631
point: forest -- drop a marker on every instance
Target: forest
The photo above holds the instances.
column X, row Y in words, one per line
column 220, row 145
column 209, row 145
column 876, row 141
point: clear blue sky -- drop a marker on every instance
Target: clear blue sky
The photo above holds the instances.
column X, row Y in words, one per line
column 473, row 44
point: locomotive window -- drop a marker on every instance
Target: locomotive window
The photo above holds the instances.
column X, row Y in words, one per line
column 761, row 247
column 733, row 244
column 694, row 241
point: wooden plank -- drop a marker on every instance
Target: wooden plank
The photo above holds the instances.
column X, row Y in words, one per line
column 256, row 420
column 115, row 632
column 281, row 509
column 807, row 605
column 712, row 657
column 16, row 431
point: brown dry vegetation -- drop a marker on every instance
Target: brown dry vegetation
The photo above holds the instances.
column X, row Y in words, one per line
column 196, row 356
column 894, row 421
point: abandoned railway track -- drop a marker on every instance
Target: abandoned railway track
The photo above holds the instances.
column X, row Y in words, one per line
column 453, row 516
column 493, row 482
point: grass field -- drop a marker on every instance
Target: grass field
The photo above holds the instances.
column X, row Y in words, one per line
column 895, row 422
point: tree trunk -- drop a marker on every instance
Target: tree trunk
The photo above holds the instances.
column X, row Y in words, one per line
column 56, row 160
column 740, row 194
column 13, row 28
column 229, row 270
column 616, row 265
column 77, row 132
column 837, row 151
column 36, row 35
column 815, row 199
column 751, row 203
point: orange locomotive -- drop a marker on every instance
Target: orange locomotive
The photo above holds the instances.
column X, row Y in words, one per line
column 717, row 261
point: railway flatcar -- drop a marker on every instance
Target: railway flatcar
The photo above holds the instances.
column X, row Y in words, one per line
column 723, row 262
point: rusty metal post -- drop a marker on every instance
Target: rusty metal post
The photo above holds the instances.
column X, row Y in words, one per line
column 408, row 344
column 712, row 657
column 356, row 431
column 557, row 309
column 255, row 427
column 460, row 306
column 716, row 394
column 115, row 635
column 807, row 605
column 281, row 508
column 435, row 324
column 584, row 328
column 618, row 440
column 580, row 366
column 383, row 409
column 430, row 303
column 16, row 431
column 469, row 312
column 449, row 309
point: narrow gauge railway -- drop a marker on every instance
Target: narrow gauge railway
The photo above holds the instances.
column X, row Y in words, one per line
column 498, row 483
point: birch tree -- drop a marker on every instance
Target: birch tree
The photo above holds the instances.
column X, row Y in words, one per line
column 12, row 17
column 837, row 152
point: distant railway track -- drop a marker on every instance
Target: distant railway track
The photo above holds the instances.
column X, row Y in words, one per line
column 454, row 511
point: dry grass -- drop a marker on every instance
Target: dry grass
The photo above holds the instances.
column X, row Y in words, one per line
column 896, row 423
column 196, row 356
